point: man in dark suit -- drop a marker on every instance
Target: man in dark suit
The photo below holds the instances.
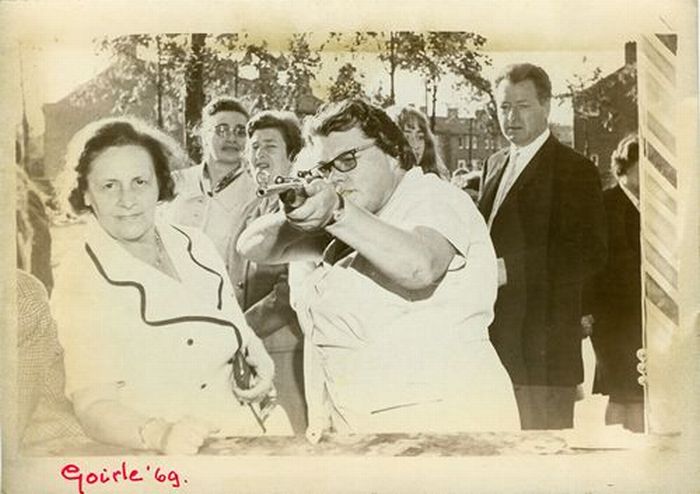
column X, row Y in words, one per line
column 543, row 204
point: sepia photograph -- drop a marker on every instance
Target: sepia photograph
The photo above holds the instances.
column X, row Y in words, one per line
column 334, row 247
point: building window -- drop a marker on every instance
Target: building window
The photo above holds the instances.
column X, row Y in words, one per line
column 461, row 163
column 460, row 142
column 475, row 143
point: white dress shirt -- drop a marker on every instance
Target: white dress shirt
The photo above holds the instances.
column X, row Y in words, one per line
column 518, row 160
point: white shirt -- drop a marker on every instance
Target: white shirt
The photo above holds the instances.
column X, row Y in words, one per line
column 219, row 214
column 515, row 167
column 165, row 343
column 378, row 362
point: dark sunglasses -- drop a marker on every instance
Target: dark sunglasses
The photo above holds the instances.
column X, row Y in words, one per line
column 224, row 130
column 344, row 162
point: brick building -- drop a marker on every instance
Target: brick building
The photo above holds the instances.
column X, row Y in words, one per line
column 605, row 112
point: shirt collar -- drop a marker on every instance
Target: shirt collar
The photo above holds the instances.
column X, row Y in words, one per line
column 527, row 152
column 206, row 184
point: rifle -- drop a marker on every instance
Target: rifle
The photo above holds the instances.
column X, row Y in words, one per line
column 289, row 189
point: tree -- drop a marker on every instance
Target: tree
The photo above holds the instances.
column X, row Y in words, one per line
column 302, row 64
column 591, row 94
column 435, row 54
column 270, row 92
column 432, row 54
column 347, row 84
column 382, row 43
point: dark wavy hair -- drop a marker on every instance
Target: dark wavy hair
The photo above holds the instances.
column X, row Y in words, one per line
column 520, row 72
column 224, row 103
column 430, row 162
column 101, row 135
column 374, row 122
column 626, row 155
column 284, row 121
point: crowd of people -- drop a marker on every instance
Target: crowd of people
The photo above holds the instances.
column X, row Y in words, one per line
column 329, row 279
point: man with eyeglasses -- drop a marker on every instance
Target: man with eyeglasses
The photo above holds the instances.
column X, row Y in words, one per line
column 399, row 286
column 212, row 195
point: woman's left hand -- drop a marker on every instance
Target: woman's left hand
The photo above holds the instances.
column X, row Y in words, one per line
column 263, row 372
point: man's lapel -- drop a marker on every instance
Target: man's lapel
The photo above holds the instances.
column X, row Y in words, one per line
column 532, row 170
column 493, row 178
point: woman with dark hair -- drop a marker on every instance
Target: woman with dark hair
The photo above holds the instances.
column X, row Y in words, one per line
column 393, row 278
column 415, row 127
column 146, row 314
column 613, row 302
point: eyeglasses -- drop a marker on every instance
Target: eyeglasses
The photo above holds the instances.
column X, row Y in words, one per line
column 224, row 130
column 344, row 162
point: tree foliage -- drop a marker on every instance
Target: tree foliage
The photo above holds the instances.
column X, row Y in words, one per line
column 595, row 97
column 347, row 84
column 166, row 78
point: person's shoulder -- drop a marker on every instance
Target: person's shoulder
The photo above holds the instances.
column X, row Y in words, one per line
column 439, row 194
column 187, row 178
column 29, row 287
column 567, row 155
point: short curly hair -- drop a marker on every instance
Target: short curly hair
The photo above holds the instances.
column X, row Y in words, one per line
column 374, row 122
column 626, row 155
column 101, row 135
column 224, row 103
column 284, row 121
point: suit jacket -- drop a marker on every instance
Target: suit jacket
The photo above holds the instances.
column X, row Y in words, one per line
column 550, row 231
column 614, row 299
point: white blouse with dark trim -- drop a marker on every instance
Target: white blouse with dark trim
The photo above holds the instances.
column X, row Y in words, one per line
column 167, row 344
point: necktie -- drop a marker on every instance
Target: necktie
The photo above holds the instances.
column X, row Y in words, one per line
column 506, row 182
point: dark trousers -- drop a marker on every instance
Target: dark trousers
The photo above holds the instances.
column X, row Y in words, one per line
column 545, row 407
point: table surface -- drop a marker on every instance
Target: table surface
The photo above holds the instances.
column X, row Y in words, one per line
column 401, row 445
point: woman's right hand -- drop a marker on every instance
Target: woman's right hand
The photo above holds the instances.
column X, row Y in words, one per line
column 263, row 372
column 185, row 437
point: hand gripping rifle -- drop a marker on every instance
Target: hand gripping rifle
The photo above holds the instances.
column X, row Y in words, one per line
column 289, row 189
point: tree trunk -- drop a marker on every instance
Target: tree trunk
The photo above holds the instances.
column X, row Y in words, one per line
column 194, row 95
column 434, row 102
column 159, row 85
column 392, row 67
column 235, row 79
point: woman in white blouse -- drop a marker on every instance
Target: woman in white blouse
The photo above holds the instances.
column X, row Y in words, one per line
column 399, row 286
column 145, row 312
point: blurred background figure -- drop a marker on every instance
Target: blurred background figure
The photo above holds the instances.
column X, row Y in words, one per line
column 468, row 181
column 415, row 127
column 43, row 412
column 211, row 196
column 614, row 313
column 33, row 235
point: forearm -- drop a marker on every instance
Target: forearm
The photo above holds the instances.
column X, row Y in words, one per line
column 270, row 239
column 109, row 421
column 404, row 257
